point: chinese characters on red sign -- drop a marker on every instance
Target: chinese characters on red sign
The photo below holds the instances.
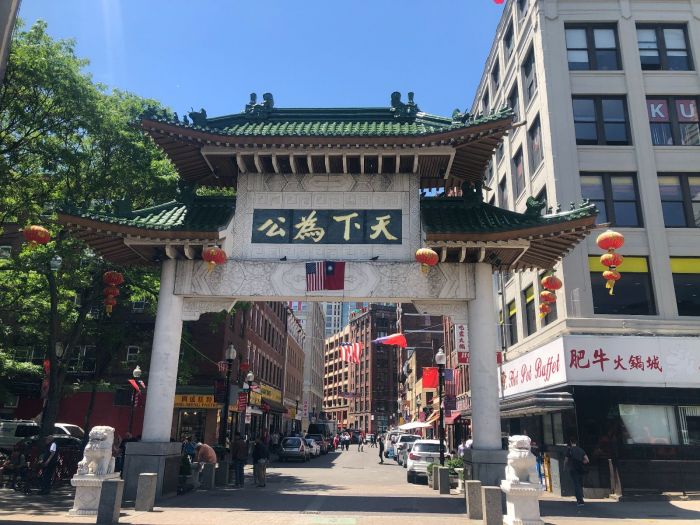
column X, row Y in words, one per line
column 461, row 344
column 579, row 359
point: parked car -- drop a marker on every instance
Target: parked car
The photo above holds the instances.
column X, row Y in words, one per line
column 405, row 452
column 293, row 448
column 13, row 431
column 423, row 453
column 401, row 444
column 322, row 442
column 314, row 448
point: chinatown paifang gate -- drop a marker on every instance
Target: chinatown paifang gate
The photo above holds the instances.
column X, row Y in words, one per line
column 368, row 186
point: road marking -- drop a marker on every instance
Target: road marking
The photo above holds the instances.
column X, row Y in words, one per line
column 334, row 521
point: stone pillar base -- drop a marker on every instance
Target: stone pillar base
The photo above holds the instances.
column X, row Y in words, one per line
column 159, row 458
column 487, row 466
column 88, row 488
column 522, row 504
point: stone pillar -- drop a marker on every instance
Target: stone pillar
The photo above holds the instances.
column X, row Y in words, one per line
column 165, row 355
column 155, row 452
column 487, row 457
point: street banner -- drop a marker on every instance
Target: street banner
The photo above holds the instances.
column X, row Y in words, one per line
column 242, row 401
column 430, row 377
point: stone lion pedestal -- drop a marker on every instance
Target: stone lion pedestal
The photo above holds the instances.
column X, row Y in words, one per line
column 522, row 485
column 96, row 466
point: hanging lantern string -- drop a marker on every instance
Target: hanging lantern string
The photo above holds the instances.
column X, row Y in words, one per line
column 610, row 241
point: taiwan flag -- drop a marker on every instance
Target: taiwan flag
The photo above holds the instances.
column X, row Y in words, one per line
column 325, row 275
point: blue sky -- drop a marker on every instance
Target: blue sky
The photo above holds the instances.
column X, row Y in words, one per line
column 307, row 53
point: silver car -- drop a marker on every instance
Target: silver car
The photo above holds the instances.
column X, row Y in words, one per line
column 293, row 448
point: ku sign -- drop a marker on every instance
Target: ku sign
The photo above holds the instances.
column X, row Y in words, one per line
column 327, row 226
column 460, row 331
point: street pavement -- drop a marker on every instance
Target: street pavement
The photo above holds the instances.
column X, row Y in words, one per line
column 348, row 488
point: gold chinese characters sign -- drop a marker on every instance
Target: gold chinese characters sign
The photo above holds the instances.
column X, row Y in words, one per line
column 255, row 399
column 195, row 401
column 271, row 393
column 327, row 226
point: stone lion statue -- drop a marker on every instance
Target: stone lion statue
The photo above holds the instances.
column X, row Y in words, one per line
column 521, row 466
column 97, row 457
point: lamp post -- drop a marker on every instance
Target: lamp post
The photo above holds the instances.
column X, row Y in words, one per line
column 137, row 374
column 440, row 360
column 249, row 380
column 296, row 415
column 223, row 431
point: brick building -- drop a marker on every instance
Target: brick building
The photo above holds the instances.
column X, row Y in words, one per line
column 336, row 379
column 374, row 379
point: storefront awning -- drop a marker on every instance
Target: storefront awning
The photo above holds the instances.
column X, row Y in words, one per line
column 275, row 407
column 452, row 419
column 433, row 417
column 531, row 404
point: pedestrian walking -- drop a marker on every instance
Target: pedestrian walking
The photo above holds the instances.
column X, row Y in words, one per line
column 373, row 441
column 261, row 455
column 240, row 458
column 49, row 460
column 462, row 448
column 576, row 461
column 381, row 450
column 361, row 442
column 336, row 441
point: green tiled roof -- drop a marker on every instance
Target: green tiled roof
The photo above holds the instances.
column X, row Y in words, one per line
column 204, row 214
column 336, row 122
column 453, row 215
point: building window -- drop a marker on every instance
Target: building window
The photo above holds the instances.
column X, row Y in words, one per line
column 673, row 121
column 633, row 293
column 485, row 103
column 664, row 47
column 138, row 306
column 508, row 41
column 512, row 324
column 496, row 76
column 132, row 353
column 690, row 424
column 680, row 200
column 686, row 283
column 601, row 120
column 503, row 193
column 615, row 195
column 529, row 77
column 499, row 152
column 591, row 47
column 519, row 173
column 649, row 424
column 534, row 143
column 514, row 102
column 522, row 7
column 530, row 315
column 89, row 354
column 542, row 197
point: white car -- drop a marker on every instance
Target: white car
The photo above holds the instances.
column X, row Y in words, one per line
column 314, row 448
column 401, row 444
column 423, row 453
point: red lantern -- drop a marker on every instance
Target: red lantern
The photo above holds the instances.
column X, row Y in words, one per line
column 111, row 291
column 213, row 256
column 427, row 258
column 35, row 235
column 112, row 278
column 110, row 302
column 551, row 283
column 612, row 277
column 610, row 240
column 611, row 260
column 544, row 309
column 547, row 297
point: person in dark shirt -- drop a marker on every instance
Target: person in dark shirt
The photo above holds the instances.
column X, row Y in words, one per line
column 261, row 455
column 381, row 450
column 49, row 460
column 576, row 460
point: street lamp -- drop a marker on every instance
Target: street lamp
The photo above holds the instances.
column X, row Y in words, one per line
column 249, row 381
column 440, row 360
column 296, row 415
column 137, row 374
column 230, row 356
column 55, row 263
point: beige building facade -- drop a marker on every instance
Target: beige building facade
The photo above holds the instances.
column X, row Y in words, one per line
column 606, row 100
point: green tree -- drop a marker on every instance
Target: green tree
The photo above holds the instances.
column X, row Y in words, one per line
column 66, row 139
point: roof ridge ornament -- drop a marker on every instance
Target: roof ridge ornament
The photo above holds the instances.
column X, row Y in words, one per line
column 534, row 207
column 262, row 110
column 199, row 118
column 404, row 110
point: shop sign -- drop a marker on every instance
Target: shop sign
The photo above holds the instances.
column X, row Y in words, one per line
column 242, row 401
column 306, row 408
column 605, row 360
column 255, row 398
column 271, row 393
column 195, row 401
column 464, row 403
column 460, row 333
column 352, row 226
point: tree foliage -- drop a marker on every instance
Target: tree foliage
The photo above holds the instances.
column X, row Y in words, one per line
column 66, row 139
